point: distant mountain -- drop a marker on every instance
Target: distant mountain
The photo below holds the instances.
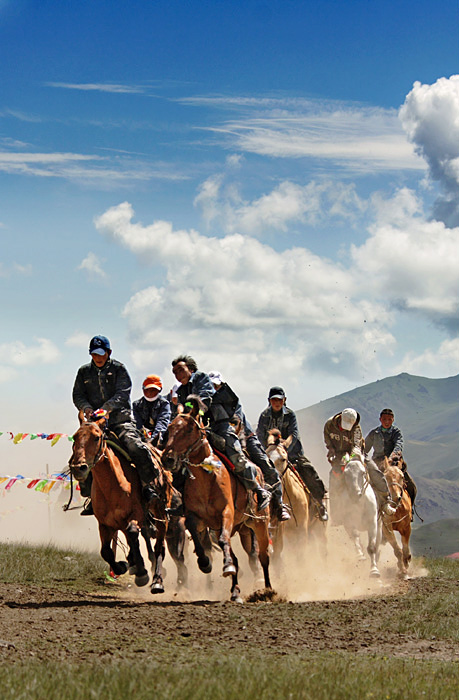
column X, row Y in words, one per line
column 436, row 539
column 427, row 412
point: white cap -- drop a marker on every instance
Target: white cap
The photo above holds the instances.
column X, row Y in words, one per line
column 348, row 418
column 215, row 377
column 174, row 390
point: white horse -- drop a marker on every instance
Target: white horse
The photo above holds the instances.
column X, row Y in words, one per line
column 353, row 505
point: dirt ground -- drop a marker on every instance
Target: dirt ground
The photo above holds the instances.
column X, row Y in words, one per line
column 49, row 624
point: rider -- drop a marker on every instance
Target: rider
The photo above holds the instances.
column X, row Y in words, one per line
column 225, row 396
column 193, row 381
column 279, row 416
column 387, row 441
column 343, row 439
column 152, row 411
column 105, row 383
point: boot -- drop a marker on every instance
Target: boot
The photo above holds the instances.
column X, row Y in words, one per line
column 388, row 507
column 263, row 497
column 87, row 510
column 322, row 510
column 150, row 492
column 280, row 509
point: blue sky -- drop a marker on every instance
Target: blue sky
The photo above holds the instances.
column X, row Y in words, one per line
column 271, row 187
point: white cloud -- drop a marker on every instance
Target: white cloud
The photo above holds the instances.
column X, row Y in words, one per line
column 77, row 340
column 430, row 116
column 17, row 354
column 100, row 87
column 91, row 264
column 286, row 204
column 438, row 362
column 410, row 262
column 359, row 138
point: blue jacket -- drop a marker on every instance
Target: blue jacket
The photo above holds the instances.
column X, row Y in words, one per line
column 384, row 442
column 286, row 422
column 108, row 388
column 198, row 384
column 152, row 415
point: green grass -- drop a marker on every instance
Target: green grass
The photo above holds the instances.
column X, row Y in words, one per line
column 326, row 676
column 49, row 566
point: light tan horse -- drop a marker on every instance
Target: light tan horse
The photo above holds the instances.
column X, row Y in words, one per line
column 400, row 521
column 295, row 496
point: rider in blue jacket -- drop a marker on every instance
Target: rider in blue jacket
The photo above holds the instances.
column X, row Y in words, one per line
column 152, row 411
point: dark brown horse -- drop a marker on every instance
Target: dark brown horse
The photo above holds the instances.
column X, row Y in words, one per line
column 400, row 521
column 214, row 499
column 116, row 501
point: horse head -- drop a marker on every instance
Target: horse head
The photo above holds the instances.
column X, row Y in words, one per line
column 354, row 474
column 88, row 446
column 394, row 477
column 276, row 449
column 186, row 440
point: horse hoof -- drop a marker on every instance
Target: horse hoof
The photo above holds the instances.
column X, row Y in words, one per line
column 236, row 599
column 142, row 580
column 120, row 567
column 157, row 588
column 205, row 565
column 229, row 570
column 374, row 573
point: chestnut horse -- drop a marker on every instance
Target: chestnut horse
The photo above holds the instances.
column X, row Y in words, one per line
column 214, row 499
column 116, row 500
column 400, row 521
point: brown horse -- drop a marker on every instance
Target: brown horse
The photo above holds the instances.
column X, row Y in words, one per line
column 400, row 521
column 116, row 500
column 214, row 499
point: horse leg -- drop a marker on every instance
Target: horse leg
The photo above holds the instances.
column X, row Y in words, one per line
column 261, row 531
column 175, row 539
column 204, row 561
column 106, row 536
column 148, row 533
column 132, row 536
column 235, row 590
column 390, row 537
column 229, row 569
column 405, row 535
column 355, row 537
column 157, row 585
column 249, row 544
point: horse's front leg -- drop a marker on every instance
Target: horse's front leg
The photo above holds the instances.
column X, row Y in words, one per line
column 405, row 535
column 137, row 564
column 391, row 538
column 260, row 528
column 106, row 535
column 355, row 537
column 249, row 544
column 157, row 585
column 373, row 550
column 176, row 538
column 229, row 569
column 204, row 561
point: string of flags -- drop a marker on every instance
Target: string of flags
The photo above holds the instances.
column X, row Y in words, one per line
column 40, row 484
column 53, row 438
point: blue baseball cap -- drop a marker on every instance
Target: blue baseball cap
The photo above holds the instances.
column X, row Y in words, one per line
column 99, row 345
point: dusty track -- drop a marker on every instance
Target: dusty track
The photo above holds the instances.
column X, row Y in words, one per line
column 48, row 624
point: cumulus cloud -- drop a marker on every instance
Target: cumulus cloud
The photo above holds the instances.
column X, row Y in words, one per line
column 286, row 204
column 92, row 265
column 411, row 262
column 17, row 354
column 438, row 362
column 223, row 293
column 430, row 117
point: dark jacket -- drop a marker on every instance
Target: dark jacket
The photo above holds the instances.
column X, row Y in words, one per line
column 286, row 422
column 200, row 385
column 152, row 415
column 108, row 388
column 384, row 442
column 224, row 404
column 341, row 441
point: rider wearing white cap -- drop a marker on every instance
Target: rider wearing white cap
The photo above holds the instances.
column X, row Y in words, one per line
column 343, row 439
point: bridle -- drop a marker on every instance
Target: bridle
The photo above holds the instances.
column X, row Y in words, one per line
column 181, row 460
column 97, row 457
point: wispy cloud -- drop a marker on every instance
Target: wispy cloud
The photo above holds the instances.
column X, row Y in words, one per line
column 92, row 265
column 101, row 87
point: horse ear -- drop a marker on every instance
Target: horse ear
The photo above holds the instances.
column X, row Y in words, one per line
column 81, row 417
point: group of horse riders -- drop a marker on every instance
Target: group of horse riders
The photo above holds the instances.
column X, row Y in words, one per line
column 104, row 385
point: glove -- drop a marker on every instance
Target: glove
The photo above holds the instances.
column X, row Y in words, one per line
column 331, row 456
column 98, row 414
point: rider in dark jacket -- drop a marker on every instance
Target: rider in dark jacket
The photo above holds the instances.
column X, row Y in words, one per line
column 225, row 398
column 279, row 416
column 105, row 383
column 387, row 441
column 152, row 411
column 194, row 381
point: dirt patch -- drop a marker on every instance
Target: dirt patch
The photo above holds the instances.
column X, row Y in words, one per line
column 49, row 624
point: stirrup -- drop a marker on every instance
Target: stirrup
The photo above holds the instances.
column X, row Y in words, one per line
column 263, row 498
column 282, row 513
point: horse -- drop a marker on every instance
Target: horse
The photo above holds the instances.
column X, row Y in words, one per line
column 213, row 497
column 401, row 519
column 294, row 495
column 353, row 505
column 117, row 503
